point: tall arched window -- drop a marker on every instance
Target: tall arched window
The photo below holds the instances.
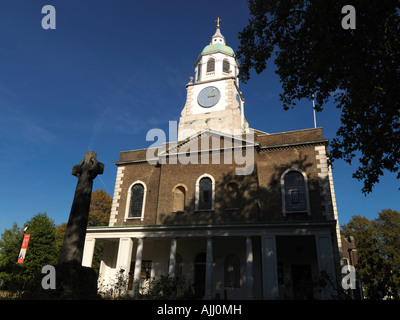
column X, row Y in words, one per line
column 232, row 271
column 211, row 65
column 179, row 194
column 135, row 209
column 136, row 200
column 205, row 193
column 225, row 65
column 294, row 191
column 205, row 200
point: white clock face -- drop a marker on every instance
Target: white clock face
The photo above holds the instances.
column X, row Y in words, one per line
column 208, row 97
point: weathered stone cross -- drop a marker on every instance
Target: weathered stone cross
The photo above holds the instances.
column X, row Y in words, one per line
column 74, row 240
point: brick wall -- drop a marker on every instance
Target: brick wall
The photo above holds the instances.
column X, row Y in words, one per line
column 259, row 193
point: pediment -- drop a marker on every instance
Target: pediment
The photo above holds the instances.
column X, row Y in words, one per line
column 208, row 140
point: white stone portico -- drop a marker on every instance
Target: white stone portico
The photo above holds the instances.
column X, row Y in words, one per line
column 255, row 245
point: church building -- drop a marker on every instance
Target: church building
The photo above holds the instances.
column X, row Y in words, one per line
column 236, row 212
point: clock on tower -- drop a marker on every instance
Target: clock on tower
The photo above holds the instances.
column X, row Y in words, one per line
column 208, row 97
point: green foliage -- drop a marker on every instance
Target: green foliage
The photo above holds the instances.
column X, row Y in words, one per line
column 42, row 250
column 378, row 248
column 100, row 208
column 10, row 244
column 169, row 288
column 165, row 288
column 45, row 243
column 359, row 68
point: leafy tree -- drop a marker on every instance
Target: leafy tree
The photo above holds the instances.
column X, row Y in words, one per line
column 60, row 233
column 359, row 67
column 370, row 260
column 100, row 208
column 378, row 248
column 42, row 250
column 387, row 231
column 10, row 244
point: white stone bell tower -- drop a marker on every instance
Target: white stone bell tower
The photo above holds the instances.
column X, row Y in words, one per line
column 213, row 99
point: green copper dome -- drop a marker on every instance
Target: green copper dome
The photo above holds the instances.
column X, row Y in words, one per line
column 218, row 47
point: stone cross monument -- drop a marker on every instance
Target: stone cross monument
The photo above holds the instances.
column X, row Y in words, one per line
column 74, row 240
column 73, row 281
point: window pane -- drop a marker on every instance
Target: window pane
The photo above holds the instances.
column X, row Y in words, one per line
column 295, row 193
column 205, row 201
column 210, row 65
column 136, row 201
column 225, row 65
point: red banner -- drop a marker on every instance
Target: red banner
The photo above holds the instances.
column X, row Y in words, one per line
column 24, row 246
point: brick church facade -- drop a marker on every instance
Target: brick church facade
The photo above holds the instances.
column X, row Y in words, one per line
column 236, row 212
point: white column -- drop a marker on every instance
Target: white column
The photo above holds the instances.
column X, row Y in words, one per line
column 124, row 255
column 269, row 267
column 88, row 252
column 249, row 268
column 107, row 271
column 209, row 269
column 325, row 260
column 172, row 258
column 138, row 266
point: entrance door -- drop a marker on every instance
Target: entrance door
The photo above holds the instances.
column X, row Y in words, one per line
column 199, row 275
column 302, row 282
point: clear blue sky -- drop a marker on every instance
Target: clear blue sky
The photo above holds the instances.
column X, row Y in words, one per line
column 111, row 71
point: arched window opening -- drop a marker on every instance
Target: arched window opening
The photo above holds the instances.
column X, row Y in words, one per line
column 225, row 65
column 295, row 192
column 179, row 195
column 232, row 271
column 211, row 65
column 136, row 204
column 205, row 194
